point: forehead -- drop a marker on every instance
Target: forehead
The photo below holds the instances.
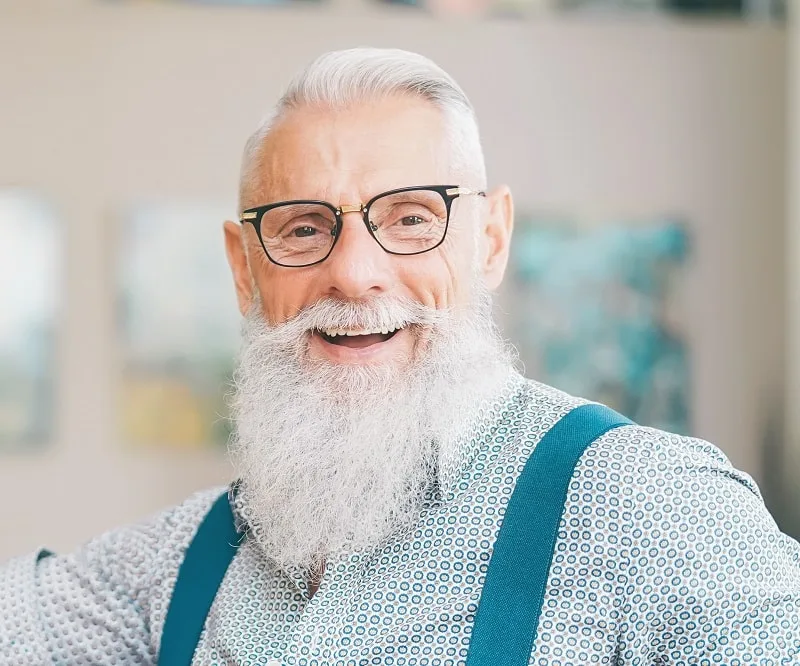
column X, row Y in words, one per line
column 350, row 154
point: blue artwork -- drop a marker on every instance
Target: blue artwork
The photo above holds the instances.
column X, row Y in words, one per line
column 589, row 311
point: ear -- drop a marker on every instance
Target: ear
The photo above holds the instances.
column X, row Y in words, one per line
column 496, row 235
column 240, row 267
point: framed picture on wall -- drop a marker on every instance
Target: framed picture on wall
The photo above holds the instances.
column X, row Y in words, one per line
column 30, row 271
column 594, row 311
column 178, row 324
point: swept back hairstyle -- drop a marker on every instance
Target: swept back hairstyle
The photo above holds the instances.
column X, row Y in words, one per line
column 339, row 79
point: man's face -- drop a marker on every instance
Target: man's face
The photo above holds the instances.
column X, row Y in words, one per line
column 347, row 157
column 335, row 443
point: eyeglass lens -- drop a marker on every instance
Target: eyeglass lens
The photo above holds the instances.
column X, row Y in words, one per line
column 405, row 222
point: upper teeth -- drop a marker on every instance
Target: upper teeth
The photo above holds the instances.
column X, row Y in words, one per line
column 333, row 332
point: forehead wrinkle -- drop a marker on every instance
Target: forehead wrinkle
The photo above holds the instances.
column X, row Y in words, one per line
column 352, row 158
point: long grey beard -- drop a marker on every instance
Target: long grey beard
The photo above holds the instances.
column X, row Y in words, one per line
column 333, row 458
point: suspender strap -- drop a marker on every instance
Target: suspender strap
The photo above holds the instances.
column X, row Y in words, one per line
column 199, row 577
column 511, row 601
column 513, row 593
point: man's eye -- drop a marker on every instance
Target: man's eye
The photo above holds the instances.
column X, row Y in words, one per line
column 412, row 220
column 303, row 232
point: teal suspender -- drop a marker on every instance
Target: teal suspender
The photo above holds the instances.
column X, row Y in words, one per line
column 199, row 577
column 513, row 593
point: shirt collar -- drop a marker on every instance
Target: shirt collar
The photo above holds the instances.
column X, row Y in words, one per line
column 478, row 429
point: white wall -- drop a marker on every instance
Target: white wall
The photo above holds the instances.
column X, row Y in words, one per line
column 791, row 486
column 104, row 105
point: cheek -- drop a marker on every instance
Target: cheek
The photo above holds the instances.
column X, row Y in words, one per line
column 283, row 293
column 439, row 278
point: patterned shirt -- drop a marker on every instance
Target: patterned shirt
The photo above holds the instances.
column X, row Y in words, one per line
column 665, row 555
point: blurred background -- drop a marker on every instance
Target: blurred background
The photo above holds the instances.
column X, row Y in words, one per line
column 651, row 145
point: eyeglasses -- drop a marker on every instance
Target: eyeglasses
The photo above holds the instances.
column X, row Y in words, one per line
column 409, row 220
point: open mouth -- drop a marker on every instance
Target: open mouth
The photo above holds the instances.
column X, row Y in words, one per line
column 356, row 339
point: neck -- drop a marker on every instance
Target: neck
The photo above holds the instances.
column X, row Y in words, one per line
column 314, row 580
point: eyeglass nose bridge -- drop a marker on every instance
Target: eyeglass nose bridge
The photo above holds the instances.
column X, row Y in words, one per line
column 351, row 208
column 357, row 208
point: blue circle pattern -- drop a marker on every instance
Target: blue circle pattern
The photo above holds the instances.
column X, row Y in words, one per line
column 665, row 555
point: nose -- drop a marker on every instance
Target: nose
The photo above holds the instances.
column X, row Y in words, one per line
column 358, row 267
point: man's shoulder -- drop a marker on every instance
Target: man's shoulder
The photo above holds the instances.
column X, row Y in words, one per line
column 651, row 480
column 193, row 508
column 182, row 519
column 159, row 540
column 633, row 453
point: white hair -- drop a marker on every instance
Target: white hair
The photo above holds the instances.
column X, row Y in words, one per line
column 339, row 79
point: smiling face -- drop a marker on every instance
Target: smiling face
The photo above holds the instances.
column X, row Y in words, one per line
column 338, row 419
column 347, row 157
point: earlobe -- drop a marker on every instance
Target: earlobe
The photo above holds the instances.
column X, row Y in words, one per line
column 498, row 229
column 240, row 267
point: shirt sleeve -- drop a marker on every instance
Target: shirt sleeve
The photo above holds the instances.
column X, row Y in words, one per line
column 710, row 577
column 103, row 604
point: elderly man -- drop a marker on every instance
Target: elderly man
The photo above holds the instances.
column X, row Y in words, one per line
column 405, row 497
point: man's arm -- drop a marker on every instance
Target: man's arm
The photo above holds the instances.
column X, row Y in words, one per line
column 105, row 603
column 711, row 579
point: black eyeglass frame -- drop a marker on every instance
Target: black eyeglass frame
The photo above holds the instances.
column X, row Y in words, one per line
column 449, row 193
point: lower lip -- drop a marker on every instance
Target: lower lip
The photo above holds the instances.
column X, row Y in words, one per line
column 374, row 353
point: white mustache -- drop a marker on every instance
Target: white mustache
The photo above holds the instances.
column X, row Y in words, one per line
column 375, row 314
